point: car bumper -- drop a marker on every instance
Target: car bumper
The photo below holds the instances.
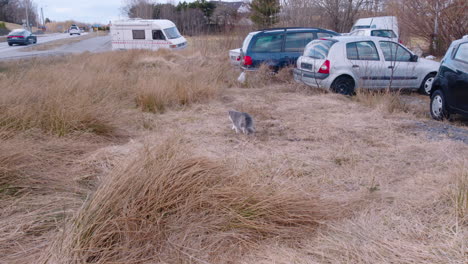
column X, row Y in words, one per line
column 17, row 41
column 314, row 79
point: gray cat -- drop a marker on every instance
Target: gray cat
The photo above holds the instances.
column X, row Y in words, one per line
column 241, row 121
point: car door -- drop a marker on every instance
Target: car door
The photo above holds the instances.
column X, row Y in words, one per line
column 294, row 45
column 365, row 63
column 159, row 40
column 267, row 49
column 457, row 77
column 400, row 72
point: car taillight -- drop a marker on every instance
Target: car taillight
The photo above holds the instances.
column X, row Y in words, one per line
column 325, row 68
column 399, row 41
column 247, row 60
column 173, row 46
column 238, row 58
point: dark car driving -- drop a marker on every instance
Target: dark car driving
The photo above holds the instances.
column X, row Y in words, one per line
column 278, row 47
column 449, row 92
column 21, row 37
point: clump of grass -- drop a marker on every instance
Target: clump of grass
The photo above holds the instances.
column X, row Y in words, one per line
column 389, row 101
column 460, row 196
column 165, row 205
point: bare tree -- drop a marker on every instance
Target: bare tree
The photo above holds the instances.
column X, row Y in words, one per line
column 439, row 22
column 341, row 14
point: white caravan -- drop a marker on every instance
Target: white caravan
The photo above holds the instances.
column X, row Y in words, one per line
column 150, row 34
column 385, row 22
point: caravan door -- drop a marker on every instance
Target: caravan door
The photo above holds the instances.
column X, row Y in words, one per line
column 159, row 39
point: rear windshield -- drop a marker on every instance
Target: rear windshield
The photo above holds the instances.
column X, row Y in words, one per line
column 318, row 49
column 246, row 42
column 16, row 33
column 383, row 33
column 462, row 53
column 172, row 33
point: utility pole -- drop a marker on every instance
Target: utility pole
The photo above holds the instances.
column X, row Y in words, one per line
column 42, row 14
column 27, row 15
column 436, row 28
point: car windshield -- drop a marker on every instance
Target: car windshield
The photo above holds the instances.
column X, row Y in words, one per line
column 383, row 33
column 172, row 33
column 318, row 49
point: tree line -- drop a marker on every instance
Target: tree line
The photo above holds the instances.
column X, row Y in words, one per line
column 14, row 11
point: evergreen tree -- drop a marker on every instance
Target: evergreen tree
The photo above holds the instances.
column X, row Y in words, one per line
column 265, row 12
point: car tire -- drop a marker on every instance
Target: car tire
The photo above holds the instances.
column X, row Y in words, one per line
column 438, row 106
column 9, row 44
column 426, row 84
column 343, row 85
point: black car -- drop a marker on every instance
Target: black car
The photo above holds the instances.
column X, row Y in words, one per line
column 449, row 92
column 21, row 37
column 278, row 47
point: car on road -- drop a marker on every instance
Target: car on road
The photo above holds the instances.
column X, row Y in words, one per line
column 384, row 33
column 449, row 93
column 343, row 64
column 74, row 29
column 276, row 47
column 21, row 37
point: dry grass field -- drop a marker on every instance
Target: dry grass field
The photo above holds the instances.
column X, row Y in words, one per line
column 128, row 157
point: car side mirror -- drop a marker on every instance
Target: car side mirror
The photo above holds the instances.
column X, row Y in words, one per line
column 414, row 58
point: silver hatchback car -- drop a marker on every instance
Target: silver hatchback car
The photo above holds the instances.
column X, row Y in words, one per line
column 343, row 64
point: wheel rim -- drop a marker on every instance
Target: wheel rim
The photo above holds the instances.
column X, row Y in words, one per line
column 343, row 86
column 428, row 85
column 437, row 106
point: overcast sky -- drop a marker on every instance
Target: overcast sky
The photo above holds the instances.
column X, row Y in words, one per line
column 89, row 11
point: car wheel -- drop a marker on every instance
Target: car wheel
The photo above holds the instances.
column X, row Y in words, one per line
column 343, row 85
column 9, row 44
column 439, row 106
column 426, row 85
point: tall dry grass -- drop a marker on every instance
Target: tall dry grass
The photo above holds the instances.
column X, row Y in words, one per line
column 165, row 205
column 90, row 92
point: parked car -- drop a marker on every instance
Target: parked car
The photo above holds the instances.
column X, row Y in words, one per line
column 146, row 34
column 74, row 29
column 383, row 22
column 21, row 37
column 449, row 93
column 276, row 47
column 342, row 64
column 384, row 33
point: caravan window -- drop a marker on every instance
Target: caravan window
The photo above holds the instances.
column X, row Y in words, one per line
column 157, row 34
column 138, row 34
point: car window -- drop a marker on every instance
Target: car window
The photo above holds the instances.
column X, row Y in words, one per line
column 318, row 49
column 362, row 50
column 383, row 33
column 138, row 34
column 296, row 42
column 394, row 52
column 324, row 35
column 462, row 53
column 157, row 34
column 268, row 43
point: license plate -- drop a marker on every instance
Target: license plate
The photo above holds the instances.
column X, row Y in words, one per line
column 14, row 38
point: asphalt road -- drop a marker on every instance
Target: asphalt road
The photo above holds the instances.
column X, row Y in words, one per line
column 96, row 44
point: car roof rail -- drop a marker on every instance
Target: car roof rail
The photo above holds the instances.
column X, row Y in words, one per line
column 286, row 28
